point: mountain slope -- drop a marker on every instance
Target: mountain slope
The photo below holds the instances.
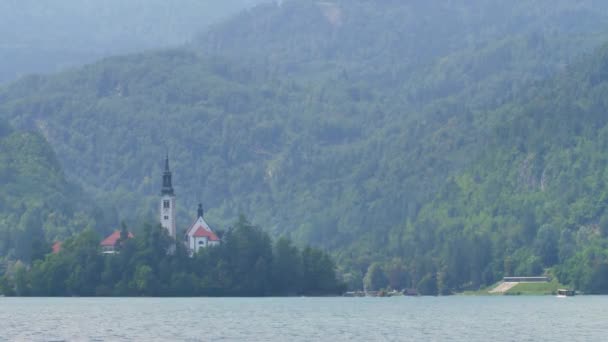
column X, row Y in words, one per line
column 37, row 204
column 51, row 36
column 331, row 131
column 537, row 194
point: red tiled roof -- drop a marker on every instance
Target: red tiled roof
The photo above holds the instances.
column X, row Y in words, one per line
column 57, row 247
column 202, row 232
column 111, row 240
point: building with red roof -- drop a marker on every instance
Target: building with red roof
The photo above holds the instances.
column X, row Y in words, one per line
column 109, row 245
column 200, row 235
column 57, row 247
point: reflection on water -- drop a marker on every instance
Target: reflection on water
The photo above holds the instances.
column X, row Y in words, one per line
column 305, row 319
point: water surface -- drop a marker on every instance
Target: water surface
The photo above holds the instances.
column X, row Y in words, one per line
column 461, row 318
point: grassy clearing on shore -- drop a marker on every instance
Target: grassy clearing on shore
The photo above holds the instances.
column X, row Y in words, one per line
column 526, row 289
column 485, row 291
column 535, row 289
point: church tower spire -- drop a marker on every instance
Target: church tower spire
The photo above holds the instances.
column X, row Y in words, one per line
column 167, row 181
column 167, row 202
column 200, row 210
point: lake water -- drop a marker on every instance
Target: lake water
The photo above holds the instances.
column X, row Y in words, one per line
column 459, row 318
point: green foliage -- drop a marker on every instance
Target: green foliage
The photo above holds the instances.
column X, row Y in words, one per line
column 598, row 284
column 466, row 151
column 375, row 278
column 323, row 130
column 152, row 264
column 427, row 286
column 318, row 273
column 537, row 189
column 397, row 275
column 536, row 289
column 37, row 204
column 287, row 266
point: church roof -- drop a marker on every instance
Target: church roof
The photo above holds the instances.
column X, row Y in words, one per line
column 57, row 247
column 202, row 232
column 111, row 240
column 200, row 228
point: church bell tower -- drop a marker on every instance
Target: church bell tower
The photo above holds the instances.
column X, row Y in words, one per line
column 167, row 202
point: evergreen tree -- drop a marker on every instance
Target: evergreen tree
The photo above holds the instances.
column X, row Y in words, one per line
column 375, row 278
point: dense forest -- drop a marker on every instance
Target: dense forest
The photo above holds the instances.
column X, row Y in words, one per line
column 536, row 195
column 441, row 157
column 43, row 36
column 37, row 204
column 247, row 263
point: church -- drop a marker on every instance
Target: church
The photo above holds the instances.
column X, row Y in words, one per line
column 199, row 234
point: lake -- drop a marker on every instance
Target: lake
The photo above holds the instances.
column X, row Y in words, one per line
column 457, row 318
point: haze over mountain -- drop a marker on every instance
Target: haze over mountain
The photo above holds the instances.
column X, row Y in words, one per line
column 452, row 142
column 48, row 36
column 34, row 194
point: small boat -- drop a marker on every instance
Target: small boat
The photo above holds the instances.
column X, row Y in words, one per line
column 563, row 293
column 410, row 292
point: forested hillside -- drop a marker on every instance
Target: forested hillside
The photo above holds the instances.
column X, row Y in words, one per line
column 533, row 199
column 37, row 204
column 48, row 36
column 363, row 127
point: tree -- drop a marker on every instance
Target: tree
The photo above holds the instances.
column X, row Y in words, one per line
column 546, row 245
column 6, row 286
column 247, row 250
column 375, row 278
column 598, row 282
column 20, row 280
column 245, row 264
column 143, row 281
column 31, row 241
column 124, row 235
column 318, row 273
column 398, row 277
column 427, row 285
column 287, row 268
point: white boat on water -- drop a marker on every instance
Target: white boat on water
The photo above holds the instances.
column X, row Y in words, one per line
column 563, row 293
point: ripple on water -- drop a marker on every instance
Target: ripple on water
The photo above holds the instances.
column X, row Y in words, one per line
column 304, row 319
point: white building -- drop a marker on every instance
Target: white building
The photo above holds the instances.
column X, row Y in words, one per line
column 167, row 202
column 199, row 235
